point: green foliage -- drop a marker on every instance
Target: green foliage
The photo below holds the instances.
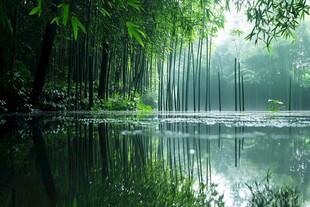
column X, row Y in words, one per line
column 3, row 107
column 117, row 103
column 74, row 202
column 75, row 22
column 152, row 186
column 274, row 19
column 65, row 13
column 4, row 21
column 134, row 31
column 269, row 195
column 306, row 79
column 275, row 105
column 76, row 25
column 16, row 88
column 54, row 98
column 142, row 107
column 135, row 4
column 104, row 12
column 149, row 99
column 37, row 9
column 236, row 32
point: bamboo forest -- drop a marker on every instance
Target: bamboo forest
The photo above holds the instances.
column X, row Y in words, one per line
column 140, row 103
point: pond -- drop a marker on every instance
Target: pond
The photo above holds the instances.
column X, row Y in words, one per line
column 65, row 159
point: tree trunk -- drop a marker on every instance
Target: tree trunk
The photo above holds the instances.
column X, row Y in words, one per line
column 103, row 72
column 90, row 84
column 46, row 49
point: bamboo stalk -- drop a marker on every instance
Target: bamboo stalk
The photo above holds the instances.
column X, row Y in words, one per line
column 236, row 84
column 219, row 89
column 290, row 95
column 239, row 85
column 242, row 93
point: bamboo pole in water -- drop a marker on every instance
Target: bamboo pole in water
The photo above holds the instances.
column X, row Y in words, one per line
column 219, row 139
column 236, row 148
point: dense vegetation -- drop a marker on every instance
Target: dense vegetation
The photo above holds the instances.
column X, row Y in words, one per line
column 57, row 55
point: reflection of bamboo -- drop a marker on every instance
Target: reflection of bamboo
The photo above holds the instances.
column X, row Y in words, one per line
column 236, row 148
column 174, row 161
column 239, row 155
column 209, row 153
column 186, row 151
column 199, row 153
column 219, row 139
column 169, row 156
column 125, row 156
column 208, row 164
column 43, row 162
column 90, row 141
column 180, row 165
column 242, row 138
column 197, row 157
column 103, row 148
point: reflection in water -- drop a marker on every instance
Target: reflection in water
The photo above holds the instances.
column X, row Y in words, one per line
column 56, row 159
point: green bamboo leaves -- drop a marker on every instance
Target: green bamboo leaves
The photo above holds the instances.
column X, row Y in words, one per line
column 76, row 25
column 135, row 4
column 275, row 18
column 75, row 22
column 64, row 17
column 65, row 13
column 134, row 31
column 37, row 9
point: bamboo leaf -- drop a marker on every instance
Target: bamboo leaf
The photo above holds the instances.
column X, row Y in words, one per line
column 6, row 22
column 104, row 12
column 74, row 27
column 133, row 31
column 76, row 24
column 55, row 19
column 35, row 10
column 135, row 4
column 65, row 14
column 138, row 38
column 74, row 202
column 39, row 3
column 81, row 26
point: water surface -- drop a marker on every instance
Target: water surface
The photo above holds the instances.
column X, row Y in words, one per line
column 61, row 158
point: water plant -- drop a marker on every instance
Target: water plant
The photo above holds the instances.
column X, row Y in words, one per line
column 269, row 195
column 152, row 186
column 275, row 105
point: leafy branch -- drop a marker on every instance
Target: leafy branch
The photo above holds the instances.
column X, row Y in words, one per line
column 134, row 31
column 275, row 18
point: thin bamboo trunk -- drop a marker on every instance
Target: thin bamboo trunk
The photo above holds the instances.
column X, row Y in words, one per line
column 236, row 84
column 219, row 90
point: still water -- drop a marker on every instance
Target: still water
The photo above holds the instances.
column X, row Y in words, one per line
column 62, row 159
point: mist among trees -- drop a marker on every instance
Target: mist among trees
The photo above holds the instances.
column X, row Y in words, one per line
column 138, row 55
